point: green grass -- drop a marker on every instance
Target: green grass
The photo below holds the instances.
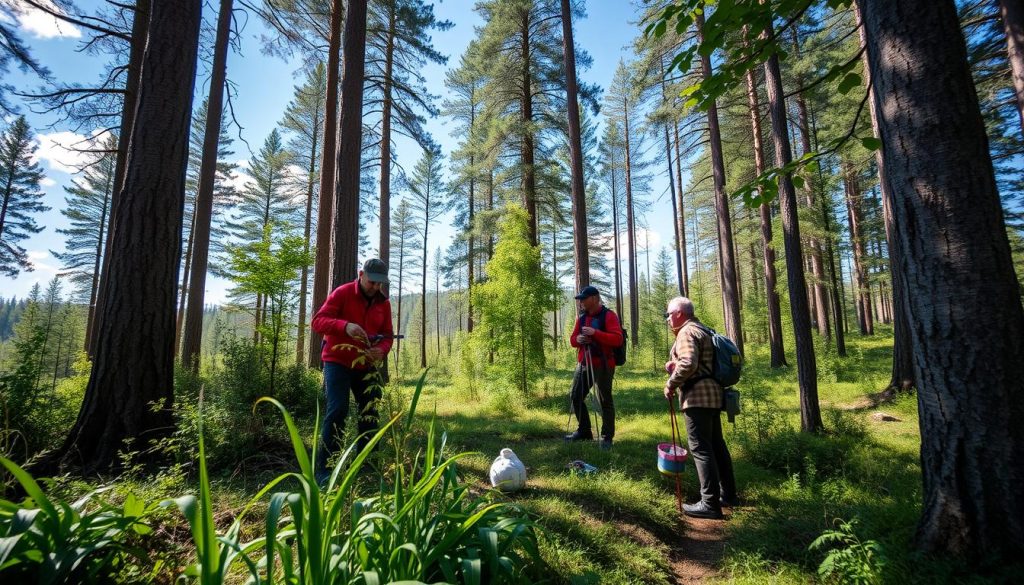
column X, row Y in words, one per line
column 619, row 524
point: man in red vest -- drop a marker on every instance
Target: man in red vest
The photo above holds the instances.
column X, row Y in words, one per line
column 596, row 335
column 355, row 322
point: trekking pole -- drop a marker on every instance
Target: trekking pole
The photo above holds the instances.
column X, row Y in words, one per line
column 675, row 446
column 595, row 398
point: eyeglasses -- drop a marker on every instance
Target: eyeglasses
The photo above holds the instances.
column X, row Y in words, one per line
column 670, row 313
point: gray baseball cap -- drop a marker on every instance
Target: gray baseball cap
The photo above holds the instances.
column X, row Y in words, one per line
column 376, row 270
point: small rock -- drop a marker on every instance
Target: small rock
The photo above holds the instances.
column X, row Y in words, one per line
column 883, row 417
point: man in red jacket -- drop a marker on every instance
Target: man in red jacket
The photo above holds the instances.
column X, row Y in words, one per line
column 596, row 335
column 355, row 321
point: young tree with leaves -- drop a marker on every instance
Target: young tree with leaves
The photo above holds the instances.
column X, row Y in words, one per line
column 513, row 301
column 20, row 196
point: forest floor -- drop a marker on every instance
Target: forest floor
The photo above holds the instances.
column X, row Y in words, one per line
column 621, row 525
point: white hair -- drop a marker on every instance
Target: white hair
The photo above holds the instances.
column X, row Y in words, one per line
column 683, row 305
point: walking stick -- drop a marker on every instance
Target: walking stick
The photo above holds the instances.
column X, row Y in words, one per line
column 675, row 446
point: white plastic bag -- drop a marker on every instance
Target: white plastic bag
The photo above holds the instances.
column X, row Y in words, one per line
column 508, row 473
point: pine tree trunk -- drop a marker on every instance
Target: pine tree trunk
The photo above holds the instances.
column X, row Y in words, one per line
column 471, row 245
column 350, row 140
column 384, row 245
column 1012, row 14
column 807, row 370
column 634, row 301
column 325, row 208
column 423, row 297
column 961, row 295
column 300, row 336
column 855, row 216
column 581, row 242
column 615, row 243
column 775, row 343
column 136, row 53
column 817, row 267
column 203, row 213
column 527, row 146
column 672, row 191
column 133, row 369
column 179, row 324
column 726, row 249
column 681, row 217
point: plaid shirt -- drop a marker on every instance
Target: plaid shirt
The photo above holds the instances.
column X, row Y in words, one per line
column 694, row 355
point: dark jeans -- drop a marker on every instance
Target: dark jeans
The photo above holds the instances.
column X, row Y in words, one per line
column 581, row 383
column 710, row 455
column 338, row 380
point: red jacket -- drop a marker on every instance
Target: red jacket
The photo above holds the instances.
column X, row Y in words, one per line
column 605, row 339
column 348, row 303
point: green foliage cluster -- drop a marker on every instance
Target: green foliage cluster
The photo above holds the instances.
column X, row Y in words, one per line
column 513, row 302
column 849, row 559
column 420, row 524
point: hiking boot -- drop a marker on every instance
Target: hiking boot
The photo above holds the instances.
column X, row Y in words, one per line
column 580, row 436
column 702, row 510
column 606, row 444
column 729, row 502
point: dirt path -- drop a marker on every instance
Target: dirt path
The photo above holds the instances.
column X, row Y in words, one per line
column 698, row 556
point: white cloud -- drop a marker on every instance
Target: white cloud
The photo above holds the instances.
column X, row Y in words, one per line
column 38, row 259
column 48, row 182
column 63, row 151
column 43, row 26
column 240, row 179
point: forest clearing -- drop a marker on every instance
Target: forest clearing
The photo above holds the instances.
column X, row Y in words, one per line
column 511, row 291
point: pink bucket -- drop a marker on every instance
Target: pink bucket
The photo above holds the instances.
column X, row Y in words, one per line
column 671, row 459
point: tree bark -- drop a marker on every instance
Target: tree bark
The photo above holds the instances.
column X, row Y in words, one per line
column 855, row 216
column 726, row 248
column 581, row 251
column 807, row 370
column 672, row 191
column 179, row 324
column 203, row 213
column 817, row 268
column 300, row 336
column 1012, row 14
column 136, row 53
column 960, row 293
column 615, row 243
column 681, row 217
column 634, row 301
column 384, row 245
column 325, row 209
column 133, row 369
column 350, row 140
column 776, row 348
column 527, row 145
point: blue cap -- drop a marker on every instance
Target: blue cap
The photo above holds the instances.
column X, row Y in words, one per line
column 588, row 291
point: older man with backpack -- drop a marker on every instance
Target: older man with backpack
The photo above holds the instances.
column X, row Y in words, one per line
column 600, row 345
column 700, row 361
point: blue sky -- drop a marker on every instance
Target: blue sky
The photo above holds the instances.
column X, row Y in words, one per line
column 266, row 85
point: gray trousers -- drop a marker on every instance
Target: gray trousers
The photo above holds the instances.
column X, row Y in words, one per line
column 581, row 387
column 710, row 455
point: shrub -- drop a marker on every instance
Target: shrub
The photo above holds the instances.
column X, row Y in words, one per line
column 849, row 559
column 50, row 541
